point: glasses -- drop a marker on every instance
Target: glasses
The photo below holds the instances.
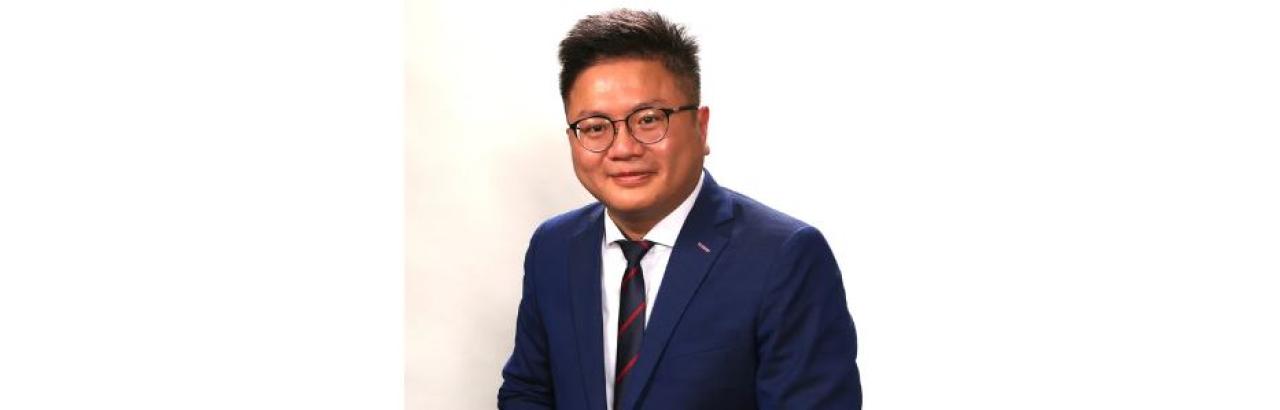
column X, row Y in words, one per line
column 646, row 125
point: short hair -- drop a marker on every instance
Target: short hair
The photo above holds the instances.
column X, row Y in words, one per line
column 624, row 33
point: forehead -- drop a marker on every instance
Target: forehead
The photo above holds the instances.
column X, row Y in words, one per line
column 618, row 86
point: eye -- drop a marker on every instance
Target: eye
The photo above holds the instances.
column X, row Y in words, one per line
column 647, row 119
column 593, row 128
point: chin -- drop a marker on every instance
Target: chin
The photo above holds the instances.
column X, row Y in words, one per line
column 627, row 203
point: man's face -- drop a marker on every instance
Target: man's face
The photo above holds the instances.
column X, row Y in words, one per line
column 634, row 179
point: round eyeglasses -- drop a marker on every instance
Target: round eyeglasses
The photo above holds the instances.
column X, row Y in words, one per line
column 646, row 125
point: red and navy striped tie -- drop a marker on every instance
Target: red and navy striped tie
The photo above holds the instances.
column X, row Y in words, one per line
column 630, row 315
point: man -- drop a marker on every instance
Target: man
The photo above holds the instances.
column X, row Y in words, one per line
column 670, row 292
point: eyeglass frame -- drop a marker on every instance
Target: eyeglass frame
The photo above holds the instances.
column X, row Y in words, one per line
column 573, row 126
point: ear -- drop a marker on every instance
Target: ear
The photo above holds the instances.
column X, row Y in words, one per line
column 704, row 115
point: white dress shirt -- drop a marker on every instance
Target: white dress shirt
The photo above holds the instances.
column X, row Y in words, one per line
column 653, row 265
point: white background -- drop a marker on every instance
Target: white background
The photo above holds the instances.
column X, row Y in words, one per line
column 1036, row 205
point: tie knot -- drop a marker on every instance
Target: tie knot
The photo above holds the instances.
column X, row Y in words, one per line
column 634, row 250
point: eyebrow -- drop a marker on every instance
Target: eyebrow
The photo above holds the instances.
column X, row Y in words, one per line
column 594, row 113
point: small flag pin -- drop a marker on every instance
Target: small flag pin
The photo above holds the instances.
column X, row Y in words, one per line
column 704, row 247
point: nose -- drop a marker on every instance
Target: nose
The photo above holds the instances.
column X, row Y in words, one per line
column 625, row 146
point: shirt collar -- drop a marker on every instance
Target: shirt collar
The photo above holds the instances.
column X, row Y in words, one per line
column 667, row 229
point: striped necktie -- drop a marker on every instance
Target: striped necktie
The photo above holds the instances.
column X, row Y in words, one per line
column 630, row 315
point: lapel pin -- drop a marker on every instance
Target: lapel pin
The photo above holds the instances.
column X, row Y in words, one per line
column 704, row 247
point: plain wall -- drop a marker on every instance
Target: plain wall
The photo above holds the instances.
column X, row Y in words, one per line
column 1059, row 205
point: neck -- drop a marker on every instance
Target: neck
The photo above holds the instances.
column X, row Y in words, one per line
column 634, row 227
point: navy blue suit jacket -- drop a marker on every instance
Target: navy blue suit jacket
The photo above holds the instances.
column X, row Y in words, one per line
column 757, row 319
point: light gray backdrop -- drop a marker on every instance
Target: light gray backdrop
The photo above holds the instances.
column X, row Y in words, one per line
column 1052, row 206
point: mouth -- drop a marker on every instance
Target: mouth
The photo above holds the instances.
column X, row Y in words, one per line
column 631, row 179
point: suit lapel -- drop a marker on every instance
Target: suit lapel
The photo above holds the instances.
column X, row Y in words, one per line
column 696, row 249
column 584, row 288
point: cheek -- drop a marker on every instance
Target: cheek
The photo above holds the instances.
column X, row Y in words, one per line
column 579, row 160
column 684, row 154
column 585, row 165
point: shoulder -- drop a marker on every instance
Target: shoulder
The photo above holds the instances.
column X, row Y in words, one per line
column 565, row 225
column 759, row 222
column 553, row 239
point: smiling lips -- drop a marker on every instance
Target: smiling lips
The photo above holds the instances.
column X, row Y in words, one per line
column 631, row 179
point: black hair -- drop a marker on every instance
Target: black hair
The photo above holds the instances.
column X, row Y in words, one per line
column 624, row 33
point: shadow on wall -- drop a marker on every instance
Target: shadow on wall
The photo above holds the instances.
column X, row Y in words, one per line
column 545, row 185
column 465, row 262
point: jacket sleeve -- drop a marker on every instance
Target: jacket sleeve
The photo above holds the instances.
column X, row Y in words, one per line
column 807, row 346
column 526, row 378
